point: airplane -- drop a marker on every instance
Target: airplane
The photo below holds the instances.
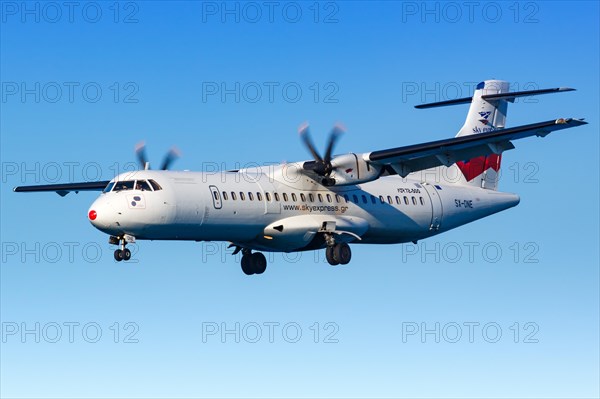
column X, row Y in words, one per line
column 329, row 202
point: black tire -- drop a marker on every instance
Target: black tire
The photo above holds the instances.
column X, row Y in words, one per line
column 118, row 255
column 247, row 265
column 342, row 253
column 330, row 256
column 126, row 254
column 259, row 263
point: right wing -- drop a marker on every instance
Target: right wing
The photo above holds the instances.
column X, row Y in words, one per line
column 64, row 189
column 413, row 158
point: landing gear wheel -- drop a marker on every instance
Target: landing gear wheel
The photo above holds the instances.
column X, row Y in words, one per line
column 342, row 253
column 259, row 263
column 119, row 255
column 330, row 258
column 126, row 254
column 247, row 265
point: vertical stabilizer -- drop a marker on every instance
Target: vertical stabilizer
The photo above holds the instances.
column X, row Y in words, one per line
column 484, row 116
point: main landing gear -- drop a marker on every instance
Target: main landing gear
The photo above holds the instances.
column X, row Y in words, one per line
column 253, row 263
column 338, row 254
column 122, row 253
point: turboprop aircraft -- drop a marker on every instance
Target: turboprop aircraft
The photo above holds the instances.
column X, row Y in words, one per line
column 328, row 202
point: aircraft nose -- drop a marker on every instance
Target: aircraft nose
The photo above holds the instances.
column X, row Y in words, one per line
column 101, row 214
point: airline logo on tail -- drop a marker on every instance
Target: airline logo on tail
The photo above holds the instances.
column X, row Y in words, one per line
column 484, row 117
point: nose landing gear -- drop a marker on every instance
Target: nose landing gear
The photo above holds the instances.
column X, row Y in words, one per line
column 122, row 253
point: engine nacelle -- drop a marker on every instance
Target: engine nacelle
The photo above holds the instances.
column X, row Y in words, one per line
column 352, row 169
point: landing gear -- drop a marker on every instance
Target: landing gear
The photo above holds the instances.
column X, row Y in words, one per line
column 338, row 254
column 253, row 263
column 122, row 253
column 330, row 257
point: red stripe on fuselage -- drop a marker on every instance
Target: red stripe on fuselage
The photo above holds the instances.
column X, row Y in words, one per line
column 476, row 166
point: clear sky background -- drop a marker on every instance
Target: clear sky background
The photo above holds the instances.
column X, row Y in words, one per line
column 512, row 299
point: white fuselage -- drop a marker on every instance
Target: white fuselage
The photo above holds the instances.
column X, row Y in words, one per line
column 271, row 213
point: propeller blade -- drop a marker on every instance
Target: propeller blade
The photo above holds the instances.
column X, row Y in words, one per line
column 140, row 152
column 305, row 135
column 337, row 130
column 171, row 156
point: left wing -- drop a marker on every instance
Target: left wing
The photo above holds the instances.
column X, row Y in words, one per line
column 414, row 158
column 64, row 189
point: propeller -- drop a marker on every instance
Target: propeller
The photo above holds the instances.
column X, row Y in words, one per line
column 321, row 165
column 140, row 152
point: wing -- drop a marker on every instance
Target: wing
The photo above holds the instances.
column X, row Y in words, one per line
column 413, row 158
column 64, row 189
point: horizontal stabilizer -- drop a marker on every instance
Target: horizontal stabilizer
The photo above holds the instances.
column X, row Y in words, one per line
column 66, row 188
column 493, row 97
column 511, row 96
column 465, row 100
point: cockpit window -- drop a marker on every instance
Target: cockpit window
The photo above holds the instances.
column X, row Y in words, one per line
column 142, row 185
column 109, row 187
column 124, row 185
column 155, row 185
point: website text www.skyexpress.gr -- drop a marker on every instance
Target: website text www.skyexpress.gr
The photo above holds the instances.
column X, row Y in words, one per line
column 316, row 208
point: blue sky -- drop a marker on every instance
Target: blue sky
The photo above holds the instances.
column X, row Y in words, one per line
column 229, row 86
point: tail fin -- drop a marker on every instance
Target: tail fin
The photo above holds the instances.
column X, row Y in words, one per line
column 486, row 113
column 484, row 116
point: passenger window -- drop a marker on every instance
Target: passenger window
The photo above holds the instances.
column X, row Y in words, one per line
column 337, row 198
column 364, row 198
column 259, row 196
column 373, row 199
column 285, row 197
column 276, row 196
column 311, row 197
column 268, row 196
column 381, row 199
column 406, row 200
column 414, row 201
column 346, row 197
column 242, row 196
column 397, row 200
column 216, row 195
column 320, row 197
column 302, row 197
column 225, row 195
column 250, row 196
column 155, row 185
column 389, row 200
column 328, row 198
column 233, row 197
column 294, row 198
column 422, row 201
column 355, row 198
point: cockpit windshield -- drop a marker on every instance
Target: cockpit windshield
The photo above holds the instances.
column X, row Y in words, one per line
column 124, row 185
column 141, row 185
column 109, row 187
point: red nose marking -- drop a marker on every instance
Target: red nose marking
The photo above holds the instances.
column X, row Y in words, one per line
column 92, row 215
